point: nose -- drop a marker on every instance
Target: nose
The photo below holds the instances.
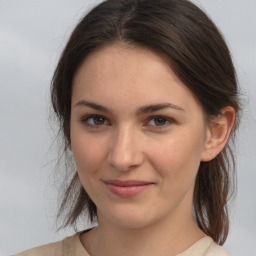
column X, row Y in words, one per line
column 125, row 152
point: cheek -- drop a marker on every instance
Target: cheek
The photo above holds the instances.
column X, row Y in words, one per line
column 88, row 153
column 177, row 161
column 177, row 157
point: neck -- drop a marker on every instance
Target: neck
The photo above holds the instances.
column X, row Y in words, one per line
column 167, row 237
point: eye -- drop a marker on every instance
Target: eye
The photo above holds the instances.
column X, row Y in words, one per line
column 159, row 121
column 94, row 121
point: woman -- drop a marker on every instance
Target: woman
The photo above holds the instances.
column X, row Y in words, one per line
column 147, row 101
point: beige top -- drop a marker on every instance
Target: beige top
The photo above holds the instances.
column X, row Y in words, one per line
column 72, row 246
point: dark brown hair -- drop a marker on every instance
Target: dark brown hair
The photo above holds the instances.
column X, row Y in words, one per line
column 198, row 54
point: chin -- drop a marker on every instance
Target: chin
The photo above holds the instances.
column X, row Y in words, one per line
column 127, row 218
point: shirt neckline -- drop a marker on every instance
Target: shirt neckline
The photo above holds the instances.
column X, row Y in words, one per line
column 202, row 245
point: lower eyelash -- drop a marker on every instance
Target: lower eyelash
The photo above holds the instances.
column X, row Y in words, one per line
column 86, row 118
column 168, row 120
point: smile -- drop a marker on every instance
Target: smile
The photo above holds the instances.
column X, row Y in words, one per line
column 127, row 188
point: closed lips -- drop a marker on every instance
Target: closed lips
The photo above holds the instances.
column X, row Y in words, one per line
column 128, row 183
column 127, row 188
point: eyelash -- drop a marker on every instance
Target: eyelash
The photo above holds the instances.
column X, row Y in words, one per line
column 168, row 121
column 86, row 118
column 93, row 126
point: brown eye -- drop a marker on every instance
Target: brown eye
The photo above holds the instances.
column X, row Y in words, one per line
column 98, row 120
column 94, row 121
column 160, row 121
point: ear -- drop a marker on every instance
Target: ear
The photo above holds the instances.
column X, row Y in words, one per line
column 217, row 133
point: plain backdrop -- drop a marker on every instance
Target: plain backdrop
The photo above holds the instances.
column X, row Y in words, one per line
column 32, row 35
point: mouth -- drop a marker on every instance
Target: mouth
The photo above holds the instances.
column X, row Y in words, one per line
column 127, row 188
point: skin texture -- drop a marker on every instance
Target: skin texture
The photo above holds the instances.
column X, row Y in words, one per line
column 163, row 148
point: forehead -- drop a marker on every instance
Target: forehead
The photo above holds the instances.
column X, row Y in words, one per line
column 135, row 74
column 115, row 58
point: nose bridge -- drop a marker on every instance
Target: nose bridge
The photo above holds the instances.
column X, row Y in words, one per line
column 125, row 149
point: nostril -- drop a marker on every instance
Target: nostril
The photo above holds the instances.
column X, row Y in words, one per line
column 122, row 161
column 125, row 152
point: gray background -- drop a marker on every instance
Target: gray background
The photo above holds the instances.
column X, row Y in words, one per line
column 32, row 34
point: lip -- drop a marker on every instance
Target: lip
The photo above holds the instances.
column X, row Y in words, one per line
column 128, row 188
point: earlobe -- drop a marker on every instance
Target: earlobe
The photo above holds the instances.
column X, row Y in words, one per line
column 218, row 133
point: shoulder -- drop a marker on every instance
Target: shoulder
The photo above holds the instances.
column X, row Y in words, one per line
column 205, row 247
column 52, row 249
column 216, row 250
column 48, row 249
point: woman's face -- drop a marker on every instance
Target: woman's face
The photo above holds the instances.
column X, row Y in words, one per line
column 137, row 135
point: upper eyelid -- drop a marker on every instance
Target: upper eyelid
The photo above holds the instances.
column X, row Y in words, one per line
column 86, row 117
column 161, row 116
column 169, row 119
column 92, row 115
column 149, row 117
column 84, row 121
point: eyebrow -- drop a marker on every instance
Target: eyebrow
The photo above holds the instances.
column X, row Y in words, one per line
column 142, row 110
